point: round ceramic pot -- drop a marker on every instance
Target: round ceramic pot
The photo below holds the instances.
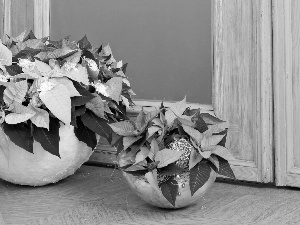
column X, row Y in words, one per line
column 154, row 197
column 41, row 168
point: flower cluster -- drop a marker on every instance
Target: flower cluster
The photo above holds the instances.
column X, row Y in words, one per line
column 170, row 147
column 45, row 84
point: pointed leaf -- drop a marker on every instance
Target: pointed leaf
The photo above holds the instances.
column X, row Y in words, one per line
column 193, row 133
column 84, row 43
column 97, row 125
column 20, row 134
column 20, row 114
column 171, row 169
column 209, row 143
column 152, row 130
column 201, row 126
column 58, row 101
column 223, row 152
column 15, row 92
column 224, row 168
column 214, row 160
column 49, row 139
column 209, row 119
column 167, row 156
column 5, row 55
column 44, row 68
column 124, row 128
column 175, row 109
column 40, row 118
column 115, row 88
column 195, row 158
column 85, row 97
column 119, row 145
column 84, row 134
column 154, row 149
column 68, row 84
column 78, row 74
column 130, row 140
column 199, row 175
column 169, row 190
column 142, row 154
column 96, row 105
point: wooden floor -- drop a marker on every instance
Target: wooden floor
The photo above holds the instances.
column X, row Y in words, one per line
column 98, row 195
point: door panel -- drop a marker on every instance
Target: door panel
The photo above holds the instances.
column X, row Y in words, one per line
column 286, row 15
column 242, row 83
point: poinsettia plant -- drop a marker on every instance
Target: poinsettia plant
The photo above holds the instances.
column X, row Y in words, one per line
column 45, row 84
column 168, row 145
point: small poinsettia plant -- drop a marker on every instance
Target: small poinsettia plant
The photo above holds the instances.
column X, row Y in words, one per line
column 173, row 145
column 45, row 84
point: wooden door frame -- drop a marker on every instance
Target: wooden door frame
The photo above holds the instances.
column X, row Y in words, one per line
column 262, row 169
column 286, row 173
column 41, row 27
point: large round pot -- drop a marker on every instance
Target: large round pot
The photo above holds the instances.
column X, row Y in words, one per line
column 154, row 197
column 41, row 168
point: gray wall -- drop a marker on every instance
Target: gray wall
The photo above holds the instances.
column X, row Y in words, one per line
column 167, row 43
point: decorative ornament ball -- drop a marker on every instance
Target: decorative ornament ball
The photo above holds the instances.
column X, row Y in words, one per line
column 41, row 168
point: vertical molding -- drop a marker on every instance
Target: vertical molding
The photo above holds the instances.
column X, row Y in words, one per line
column 7, row 19
column 266, row 92
column 41, row 18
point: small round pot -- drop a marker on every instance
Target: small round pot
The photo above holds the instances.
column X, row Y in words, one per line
column 41, row 168
column 150, row 195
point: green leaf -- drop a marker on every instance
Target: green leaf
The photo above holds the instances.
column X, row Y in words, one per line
column 201, row 126
column 85, row 97
column 5, row 55
column 224, row 168
column 84, row 134
column 84, row 43
column 30, row 36
column 193, row 133
column 171, row 169
column 154, row 149
column 69, row 85
column 169, row 189
column 199, row 175
column 130, row 140
column 49, row 139
column 124, row 128
column 97, row 125
column 175, row 110
column 152, row 130
column 14, row 69
column 223, row 152
column 58, row 101
column 208, row 143
column 118, row 145
column 195, row 158
column 20, row 114
column 79, row 74
column 15, row 92
column 40, row 118
column 20, row 134
column 209, row 119
column 142, row 154
column 167, row 156
column 96, row 105
column 114, row 88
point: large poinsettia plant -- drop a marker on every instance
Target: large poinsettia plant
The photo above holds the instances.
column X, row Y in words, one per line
column 164, row 145
column 45, row 84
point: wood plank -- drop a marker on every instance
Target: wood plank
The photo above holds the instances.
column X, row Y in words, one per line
column 286, row 28
column 42, row 18
column 243, row 80
column 1, row 18
column 7, row 19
